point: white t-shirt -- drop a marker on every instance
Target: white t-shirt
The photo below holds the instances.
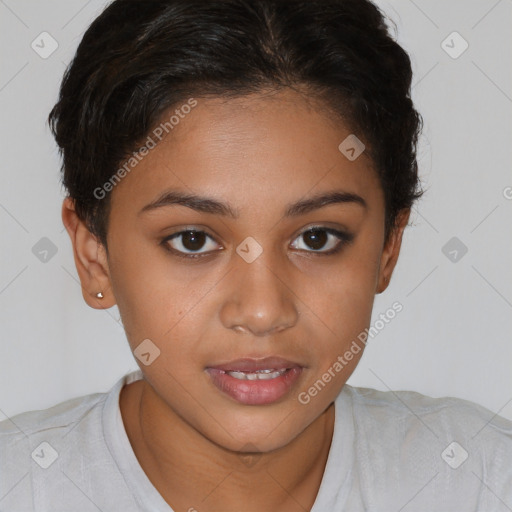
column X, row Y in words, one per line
column 391, row 451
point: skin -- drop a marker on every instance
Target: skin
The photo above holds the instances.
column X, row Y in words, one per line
column 259, row 154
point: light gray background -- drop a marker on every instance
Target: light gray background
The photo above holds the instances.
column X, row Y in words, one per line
column 452, row 337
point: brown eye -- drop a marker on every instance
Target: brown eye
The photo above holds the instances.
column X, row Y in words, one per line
column 193, row 240
column 190, row 242
column 317, row 238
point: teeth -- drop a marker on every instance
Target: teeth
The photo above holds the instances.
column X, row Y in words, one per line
column 258, row 375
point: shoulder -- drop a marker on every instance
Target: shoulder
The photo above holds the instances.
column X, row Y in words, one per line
column 44, row 453
column 35, row 442
column 444, row 414
column 62, row 418
column 23, row 433
column 447, row 441
column 57, row 417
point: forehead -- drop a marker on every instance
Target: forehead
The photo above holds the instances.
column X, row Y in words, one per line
column 259, row 146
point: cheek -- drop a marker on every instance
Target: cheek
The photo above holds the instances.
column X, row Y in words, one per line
column 149, row 295
column 344, row 305
column 345, row 312
column 349, row 292
column 161, row 300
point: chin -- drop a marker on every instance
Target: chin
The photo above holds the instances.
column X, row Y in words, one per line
column 259, row 431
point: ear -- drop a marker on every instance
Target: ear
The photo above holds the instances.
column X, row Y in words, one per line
column 90, row 259
column 391, row 250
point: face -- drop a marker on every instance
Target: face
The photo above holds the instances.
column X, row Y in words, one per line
column 251, row 293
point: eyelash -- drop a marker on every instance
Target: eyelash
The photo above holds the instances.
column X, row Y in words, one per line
column 343, row 237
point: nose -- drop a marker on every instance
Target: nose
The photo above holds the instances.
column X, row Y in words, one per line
column 259, row 298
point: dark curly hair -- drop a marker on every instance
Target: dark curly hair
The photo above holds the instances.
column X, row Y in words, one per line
column 140, row 58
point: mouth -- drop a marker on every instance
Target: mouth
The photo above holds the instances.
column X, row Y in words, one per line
column 266, row 374
column 256, row 381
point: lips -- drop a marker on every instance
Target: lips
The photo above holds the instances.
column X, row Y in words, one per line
column 255, row 381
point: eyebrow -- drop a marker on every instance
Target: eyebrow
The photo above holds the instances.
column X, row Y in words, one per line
column 213, row 206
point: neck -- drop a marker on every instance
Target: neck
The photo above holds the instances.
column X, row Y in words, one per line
column 193, row 473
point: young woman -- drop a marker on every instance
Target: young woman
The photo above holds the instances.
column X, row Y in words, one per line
column 239, row 177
